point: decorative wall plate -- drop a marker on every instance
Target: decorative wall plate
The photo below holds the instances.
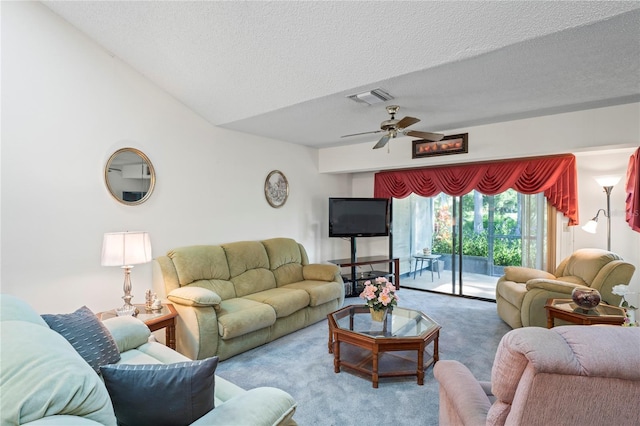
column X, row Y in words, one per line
column 276, row 189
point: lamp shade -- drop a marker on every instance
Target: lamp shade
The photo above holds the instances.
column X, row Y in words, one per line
column 611, row 180
column 126, row 248
column 590, row 227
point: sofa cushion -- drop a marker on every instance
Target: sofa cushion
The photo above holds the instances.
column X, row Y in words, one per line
column 586, row 263
column 253, row 281
column 284, row 301
column 88, row 336
column 161, row 394
column 43, row 375
column 285, row 259
column 240, row 316
column 259, row 406
column 249, row 267
column 287, row 274
column 282, row 251
column 14, row 308
column 320, row 292
column 195, row 263
column 243, row 256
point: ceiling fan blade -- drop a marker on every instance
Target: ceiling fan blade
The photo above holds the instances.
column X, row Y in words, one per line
column 382, row 142
column 363, row 133
column 406, row 122
column 433, row 137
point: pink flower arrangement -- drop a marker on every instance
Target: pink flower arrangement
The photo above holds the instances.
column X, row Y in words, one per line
column 379, row 295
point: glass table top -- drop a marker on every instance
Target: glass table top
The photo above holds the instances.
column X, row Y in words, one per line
column 143, row 314
column 602, row 309
column 400, row 322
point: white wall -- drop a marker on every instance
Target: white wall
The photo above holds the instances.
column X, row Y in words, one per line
column 67, row 105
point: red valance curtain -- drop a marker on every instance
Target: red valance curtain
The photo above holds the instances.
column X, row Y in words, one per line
column 632, row 210
column 555, row 175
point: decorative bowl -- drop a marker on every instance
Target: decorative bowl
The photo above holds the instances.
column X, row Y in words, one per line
column 585, row 298
column 126, row 311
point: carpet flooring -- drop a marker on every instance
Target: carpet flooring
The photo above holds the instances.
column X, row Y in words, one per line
column 300, row 364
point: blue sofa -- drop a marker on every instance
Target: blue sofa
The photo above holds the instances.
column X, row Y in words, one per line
column 45, row 381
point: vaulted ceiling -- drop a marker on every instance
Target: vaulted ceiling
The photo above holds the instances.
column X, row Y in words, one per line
column 284, row 70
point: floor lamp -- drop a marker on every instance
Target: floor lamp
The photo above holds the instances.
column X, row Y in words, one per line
column 607, row 182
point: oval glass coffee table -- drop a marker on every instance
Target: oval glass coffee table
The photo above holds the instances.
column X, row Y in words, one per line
column 391, row 348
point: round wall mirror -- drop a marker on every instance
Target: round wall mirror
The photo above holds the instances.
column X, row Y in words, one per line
column 130, row 176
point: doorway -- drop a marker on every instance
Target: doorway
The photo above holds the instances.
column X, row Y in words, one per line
column 460, row 245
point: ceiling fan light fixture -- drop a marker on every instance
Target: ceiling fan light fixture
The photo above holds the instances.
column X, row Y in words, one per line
column 371, row 97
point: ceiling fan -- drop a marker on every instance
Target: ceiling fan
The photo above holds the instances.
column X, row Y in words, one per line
column 392, row 127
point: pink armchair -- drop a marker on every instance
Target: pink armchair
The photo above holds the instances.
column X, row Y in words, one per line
column 569, row 375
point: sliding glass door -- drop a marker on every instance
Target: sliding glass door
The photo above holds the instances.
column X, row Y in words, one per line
column 460, row 245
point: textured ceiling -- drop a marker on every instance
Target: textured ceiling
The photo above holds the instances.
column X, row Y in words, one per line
column 283, row 69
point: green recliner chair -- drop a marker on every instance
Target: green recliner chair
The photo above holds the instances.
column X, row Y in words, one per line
column 521, row 293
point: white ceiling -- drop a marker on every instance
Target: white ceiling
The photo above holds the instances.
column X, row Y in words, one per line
column 283, row 69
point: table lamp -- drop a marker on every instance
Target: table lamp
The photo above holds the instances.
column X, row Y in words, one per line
column 126, row 249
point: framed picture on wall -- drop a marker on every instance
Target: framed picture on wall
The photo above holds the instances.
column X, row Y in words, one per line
column 276, row 189
column 453, row 144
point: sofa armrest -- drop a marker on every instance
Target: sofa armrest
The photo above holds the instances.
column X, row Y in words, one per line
column 555, row 286
column 320, row 272
column 128, row 332
column 463, row 400
column 521, row 274
column 262, row 406
column 194, row 296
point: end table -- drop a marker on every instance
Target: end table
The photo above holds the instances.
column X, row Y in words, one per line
column 565, row 309
column 155, row 320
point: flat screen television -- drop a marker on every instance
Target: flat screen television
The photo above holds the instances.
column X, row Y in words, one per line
column 358, row 217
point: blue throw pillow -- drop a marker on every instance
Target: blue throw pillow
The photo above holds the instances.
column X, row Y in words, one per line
column 88, row 336
column 161, row 394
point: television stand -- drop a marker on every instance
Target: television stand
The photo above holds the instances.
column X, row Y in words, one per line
column 369, row 275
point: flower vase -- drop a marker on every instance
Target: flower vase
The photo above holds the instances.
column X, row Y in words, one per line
column 378, row 315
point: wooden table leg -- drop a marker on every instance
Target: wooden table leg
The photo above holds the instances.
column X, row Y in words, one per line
column 420, row 372
column 336, row 356
column 436, row 356
column 374, row 368
column 550, row 322
column 170, row 336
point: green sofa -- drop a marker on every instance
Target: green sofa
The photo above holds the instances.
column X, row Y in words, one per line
column 45, row 381
column 234, row 297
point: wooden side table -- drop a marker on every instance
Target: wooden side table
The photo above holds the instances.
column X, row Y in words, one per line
column 155, row 320
column 566, row 310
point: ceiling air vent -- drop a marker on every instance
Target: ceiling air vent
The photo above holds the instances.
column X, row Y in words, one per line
column 371, row 97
